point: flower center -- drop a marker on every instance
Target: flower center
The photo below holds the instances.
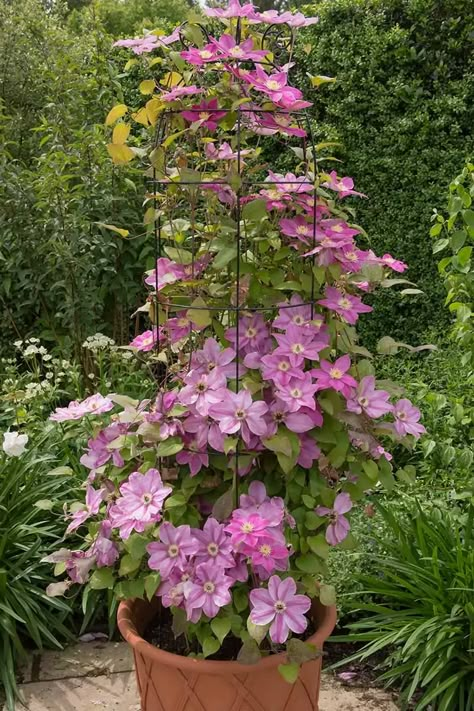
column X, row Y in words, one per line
column 265, row 550
column 363, row 401
column 335, row 373
column 183, row 322
column 278, row 416
column 344, row 303
column 147, row 499
column 205, row 54
column 201, row 387
column 211, row 365
column 185, row 577
column 236, row 52
column 296, row 392
column 240, row 414
column 298, row 320
column 272, row 84
column 302, row 230
column 351, row 256
column 283, row 365
column 279, row 606
column 203, row 115
column 173, row 550
column 337, row 228
column 251, row 332
column 213, row 549
column 247, row 527
column 209, row 587
column 297, row 348
column 401, row 415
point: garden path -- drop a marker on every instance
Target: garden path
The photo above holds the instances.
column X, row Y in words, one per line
column 99, row 675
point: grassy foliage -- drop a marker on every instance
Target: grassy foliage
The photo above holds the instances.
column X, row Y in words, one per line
column 422, row 611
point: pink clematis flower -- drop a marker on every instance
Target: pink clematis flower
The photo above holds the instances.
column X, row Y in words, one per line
column 140, row 503
column 200, row 390
column 253, row 335
column 301, row 341
column 293, row 313
column 339, row 526
column 393, row 263
column 211, row 358
column 205, row 429
column 309, row 451
column 374, row 403
column 169, row 272
column 199, row 57
column 214, row 545
column 176, row 546
column 206, row 113
column 270, row 508
column 280, row 368
column 224, row 152
column 343, row 186
column 269, row 555
column 178, row 92
column 269, row 125
column 207, row 592
column 106, row 552
column 233, row 9
column 334, row 375
column 100, row 451
column 140, row 45
column 297, row 19
column 180, row 327
column 94, row 498
column 229, row 49
column 147, row 340
column 237, row 412
column 299, row 228
column 195, row 453
column 302, row 420
column 246, row 528
column 280, row 606
column 275, row 86
column 93, row 405
column 347, row 306
column 407, row 418
column 298, row 393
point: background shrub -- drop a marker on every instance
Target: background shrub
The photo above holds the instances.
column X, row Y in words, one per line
column 402, row 109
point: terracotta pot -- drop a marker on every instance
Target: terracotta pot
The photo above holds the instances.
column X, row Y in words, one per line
column 170, row 682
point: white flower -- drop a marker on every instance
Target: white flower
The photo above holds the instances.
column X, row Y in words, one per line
column 14, row 444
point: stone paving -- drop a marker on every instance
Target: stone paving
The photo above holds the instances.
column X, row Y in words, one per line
column 99, row 675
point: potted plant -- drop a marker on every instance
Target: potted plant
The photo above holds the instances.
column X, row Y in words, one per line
column 211, row 509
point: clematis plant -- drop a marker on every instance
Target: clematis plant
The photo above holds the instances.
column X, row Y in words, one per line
column 223, row 495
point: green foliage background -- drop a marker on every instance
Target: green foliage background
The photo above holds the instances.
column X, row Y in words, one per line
column 403, row 110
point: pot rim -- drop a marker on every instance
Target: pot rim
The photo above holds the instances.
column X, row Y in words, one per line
column 128, row 611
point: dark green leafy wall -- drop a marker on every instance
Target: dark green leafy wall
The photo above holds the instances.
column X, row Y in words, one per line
column 402, row 108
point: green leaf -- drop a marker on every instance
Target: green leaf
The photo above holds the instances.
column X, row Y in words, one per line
column 102, row 578
column 371, row 469
column 289, row 672
column 224, row 256
column 319, row 545
column 170, row 446
column 127, row 589
column 175, row 501
column 327, row 595
column 249, row 653
column 211, row 645
column 151, row 583
column 224, row 505
column 136, row 545
column 299, row 652
column 221, row 627
column 308, row 563
column 254, row 210
column 128, row 565
column 44, row 504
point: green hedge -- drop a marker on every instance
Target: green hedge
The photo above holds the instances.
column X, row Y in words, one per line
column 402, row 108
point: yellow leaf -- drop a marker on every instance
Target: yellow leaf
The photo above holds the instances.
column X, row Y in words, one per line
column 147, row 86
column 118, row 230
column 307, row 48
column 153, row 107
column 116, row 113
column 120, row 133
column 131, row 63
column 201, row 317
column 317, row 81
column 158, row 32
column 141, row 117
column 171, row 79
column 155, row 60
column 120, row 154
